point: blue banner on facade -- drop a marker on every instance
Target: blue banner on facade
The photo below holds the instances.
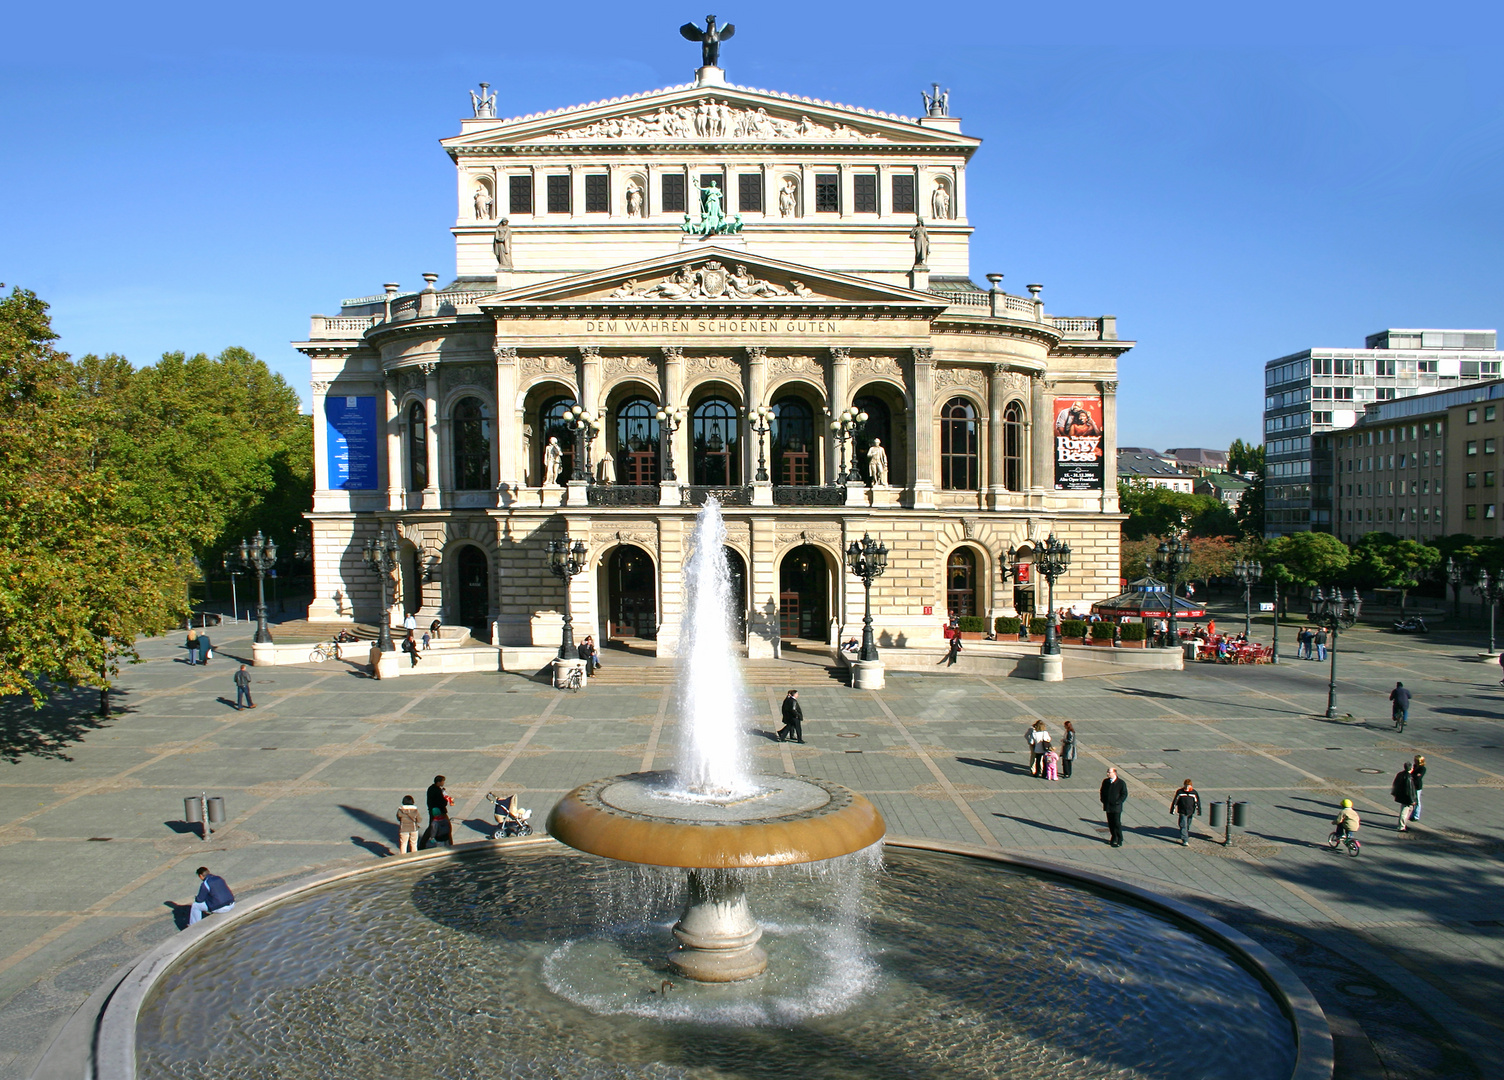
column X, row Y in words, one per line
column 352, row 442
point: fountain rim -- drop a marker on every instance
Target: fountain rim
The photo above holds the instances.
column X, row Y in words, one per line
column 103, row 1030
column 847, row 823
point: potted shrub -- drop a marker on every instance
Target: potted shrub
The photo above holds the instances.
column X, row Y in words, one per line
column 1036, row 626
column 1006, row 627
column 972, row 627
column 1073, row 631
column 1101, row 633
column 1134, row 634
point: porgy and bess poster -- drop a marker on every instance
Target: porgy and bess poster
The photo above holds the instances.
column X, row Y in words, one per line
column 1078, row 444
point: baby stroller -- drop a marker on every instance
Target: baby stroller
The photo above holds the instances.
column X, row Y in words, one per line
column 511, row 819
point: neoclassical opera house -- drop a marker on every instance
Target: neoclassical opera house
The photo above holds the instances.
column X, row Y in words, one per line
column 716, row 282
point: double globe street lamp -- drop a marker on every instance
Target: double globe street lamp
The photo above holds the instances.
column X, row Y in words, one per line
column 762, row 422
column 1172, row 558
column 566, row 560
column 1052, row 559
column 1248, row 572
column 259, row 554
column 846, row 424
column 586, row 427
column 1334, row 612
column 670, row 417
column 868, row 558
column 380, row 554
column 1490, row 589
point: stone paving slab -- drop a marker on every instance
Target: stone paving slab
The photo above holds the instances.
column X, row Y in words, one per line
column 1403, row 945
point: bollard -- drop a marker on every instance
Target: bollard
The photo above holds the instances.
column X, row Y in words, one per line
column 217, row 809
column 1214, row 816
column 1240, row 814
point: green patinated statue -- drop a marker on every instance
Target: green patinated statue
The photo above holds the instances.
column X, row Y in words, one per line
column 713, row 221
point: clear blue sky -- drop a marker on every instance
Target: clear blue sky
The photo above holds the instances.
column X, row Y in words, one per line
column 1233, row 183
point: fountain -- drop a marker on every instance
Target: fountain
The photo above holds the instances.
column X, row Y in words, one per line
column 711, row 815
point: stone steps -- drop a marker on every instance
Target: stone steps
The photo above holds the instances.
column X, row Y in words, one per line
column 756, row 674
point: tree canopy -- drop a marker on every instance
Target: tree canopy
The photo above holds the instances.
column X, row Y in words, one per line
column 1245, row 457
column 1306, row 558
column 1382, row 560
column 1158, row 511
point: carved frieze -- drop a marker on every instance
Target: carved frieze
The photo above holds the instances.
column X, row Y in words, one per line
column 533, row 366
column 411, row 381
column 877, row 367
column 728, row 366
column 795, row 365
column 959, row 378
column 614, row 367
column 709, row 281
column 712, row 119
column 823, row 535
column 641, row 533
column 456, row 375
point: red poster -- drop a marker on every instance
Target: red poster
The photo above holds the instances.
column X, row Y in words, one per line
column 1078, row 444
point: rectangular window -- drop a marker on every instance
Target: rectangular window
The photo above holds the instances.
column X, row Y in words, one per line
column 713, row 179
column 1470, row 511
column 749, row 192
column 1488, row 446
column 1472, row 416
column 558, row 194
column 1425, row 513
column 520, row 194
column 864, row 193
column 1472, row 448
column 1425, row 487
column 597, row 193
column 1488, row 511
column 1489, row 412
column 673, row 193
column 1471, row 480
column 827, row 193
column 903, row 193
column 1488, row 479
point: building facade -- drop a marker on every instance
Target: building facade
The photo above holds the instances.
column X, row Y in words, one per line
column 678, row 295
column 1140, row 465
column 1308, row 394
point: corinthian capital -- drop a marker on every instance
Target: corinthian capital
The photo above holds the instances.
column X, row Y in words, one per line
column 840, row 356
column 757, row 354
column 505, row 354
column 673, row 353
column 590, row 352
column 429, row 369
column 924, row 356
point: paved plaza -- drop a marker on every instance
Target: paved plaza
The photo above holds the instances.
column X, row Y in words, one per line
column 1403, row 946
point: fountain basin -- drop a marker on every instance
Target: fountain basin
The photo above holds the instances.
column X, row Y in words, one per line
column 784, row 820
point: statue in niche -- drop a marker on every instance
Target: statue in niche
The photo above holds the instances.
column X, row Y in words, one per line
column 501, row 245
column 483, row 103
column 940, row 203
column 709, row 38
column 483, row 202
column 877, row 464
column 553, row 461
column 634, row 201
column 921, row 237
column 788, row 199
column 608, row 468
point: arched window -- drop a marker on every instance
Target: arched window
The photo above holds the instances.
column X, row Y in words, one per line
column 1013, row 447
column 417, row 447
column 472, row 446
column 551, row 424
column 961, row 582
column 879, row 426
column 714, row 430
column 793, row 441
column 637, row 442
column 960, row 461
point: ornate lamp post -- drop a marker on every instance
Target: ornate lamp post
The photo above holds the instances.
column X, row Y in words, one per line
column 868, row 559
column 762, row 421
column 1334, row 612
column 1456, row 572
column 1052, row 559
column 846, row 424
column 566, row 560
column 259, row 554
column 669, row 419
column 1490, row 588
column 380, row 554
column 1173, row 557
column 1248, row 573
column 586, row 427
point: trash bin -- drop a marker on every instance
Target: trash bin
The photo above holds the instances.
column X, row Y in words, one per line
column 1214, row 815
column 216, row 810
column 1191, row 648
column 1240, row 814
column 193, row 809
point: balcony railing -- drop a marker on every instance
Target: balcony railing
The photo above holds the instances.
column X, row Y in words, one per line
column 809, row 495
column 695, row 495
column 622, row 494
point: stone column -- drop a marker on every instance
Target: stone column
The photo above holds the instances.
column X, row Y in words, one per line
column 673, row 395
column 590, row 394
column 431, row 405
column 757, row 394
column 395, row 480
column 844, row 189
column 837, row 385
column 995, row 469
column 762, row 590
column 1109, row 390
column 540, row 197
column 508, row 426
column 320, row 437
column 576, row 192
column 922, row 432
column 1041, row 437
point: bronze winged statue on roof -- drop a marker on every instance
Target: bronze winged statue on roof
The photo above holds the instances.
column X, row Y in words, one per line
column 709, row 38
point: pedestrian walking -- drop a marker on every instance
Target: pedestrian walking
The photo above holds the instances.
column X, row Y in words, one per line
column 205, row 649
column 1068, row 750
column 955, row 650
column 1418, row 774
column 793, row 719
column 192, row 646
column 1113, row 793
column 439, row 830
column 1039, row 745
column 1186, row 804
column 408, row 820
column 214, row 896
column 410, row 623
column 1303, row 645
column 243, row 689
column 1321, row 644
column 1403, row 792
column 1400, row 711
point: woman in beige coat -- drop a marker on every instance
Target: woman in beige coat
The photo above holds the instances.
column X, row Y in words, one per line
column 408, row 820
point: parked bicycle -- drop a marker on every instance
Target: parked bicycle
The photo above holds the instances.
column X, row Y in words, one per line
column 572, row 680
column 1341, row 838
column 325, row 650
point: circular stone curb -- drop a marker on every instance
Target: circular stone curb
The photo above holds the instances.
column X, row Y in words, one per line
column 113, row 1033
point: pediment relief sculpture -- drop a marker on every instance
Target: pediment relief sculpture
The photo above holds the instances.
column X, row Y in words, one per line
column 712, row 119
column 710, row 281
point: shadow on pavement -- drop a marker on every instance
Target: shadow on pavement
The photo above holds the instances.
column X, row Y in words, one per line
column 375, row 822
column 65, row 718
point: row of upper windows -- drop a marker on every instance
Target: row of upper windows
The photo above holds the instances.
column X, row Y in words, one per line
column 751, row 198
column 1490, row 412
column 1405, row 513
column 1470, row 511
column 1382, row 488
column 1403, row 433
column 1420, row 458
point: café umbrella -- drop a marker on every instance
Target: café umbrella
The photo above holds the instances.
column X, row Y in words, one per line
column 1147, row 598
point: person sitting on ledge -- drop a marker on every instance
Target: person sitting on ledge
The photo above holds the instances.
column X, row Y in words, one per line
column 214, row 896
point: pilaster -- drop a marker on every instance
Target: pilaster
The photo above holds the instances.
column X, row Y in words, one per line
column 431, row 406
column 762, row 590
column 320, row 391
column 673, row 396
column 1109, row 391
column 393, row 421
column 508, row 426
column 995, row 470
column 590, row 394
column 1041, row 437
column 838, row 386
column 756, row 389
column 922, row 427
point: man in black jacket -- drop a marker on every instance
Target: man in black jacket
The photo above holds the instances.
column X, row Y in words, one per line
column 1403, row 791
column 793, row 718
column 438, row 830
column 1187, row 804
column 1114, row 794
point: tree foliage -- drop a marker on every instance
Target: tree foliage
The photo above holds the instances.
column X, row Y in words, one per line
column 1158, row 511
column 1306, row 558
column 1245, row 458
column 1249, row 514
column 1382, row 560
column 1211, row 556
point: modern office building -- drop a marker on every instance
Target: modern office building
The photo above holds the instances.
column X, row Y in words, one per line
column 1317, row 391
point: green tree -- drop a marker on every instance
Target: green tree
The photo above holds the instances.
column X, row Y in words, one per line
column 1382, row 560
column 1245, row 458
column 1249, row 514
column 1158, row 511
column 1307, row 558
column 1211, row 556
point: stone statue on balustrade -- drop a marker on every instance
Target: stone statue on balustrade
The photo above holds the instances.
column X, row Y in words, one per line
column 483, row 103
column 877, row 464
column 608, row 468
column 501, row 245
column 553, row 462
column 921, row 237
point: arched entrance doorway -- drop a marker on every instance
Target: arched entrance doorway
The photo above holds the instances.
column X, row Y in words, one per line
column 412, row 578
column 804, row 594
column 631, row 594
column 473, row 586
column 737, row 568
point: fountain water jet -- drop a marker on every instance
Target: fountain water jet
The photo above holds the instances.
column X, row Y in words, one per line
column 711, row 815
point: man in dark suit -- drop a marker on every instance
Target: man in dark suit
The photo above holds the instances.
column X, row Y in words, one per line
column 793, row 719
column 1114, row 794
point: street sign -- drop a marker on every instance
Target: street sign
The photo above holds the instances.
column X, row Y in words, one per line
column 1266, row 607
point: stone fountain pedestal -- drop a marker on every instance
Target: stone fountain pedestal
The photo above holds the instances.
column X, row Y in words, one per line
column 717, row 934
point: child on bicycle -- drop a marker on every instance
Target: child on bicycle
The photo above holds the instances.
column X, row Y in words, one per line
column 1347, row 820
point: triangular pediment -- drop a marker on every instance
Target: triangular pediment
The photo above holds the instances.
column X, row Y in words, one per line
column 716, row 276
column 706, row 115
